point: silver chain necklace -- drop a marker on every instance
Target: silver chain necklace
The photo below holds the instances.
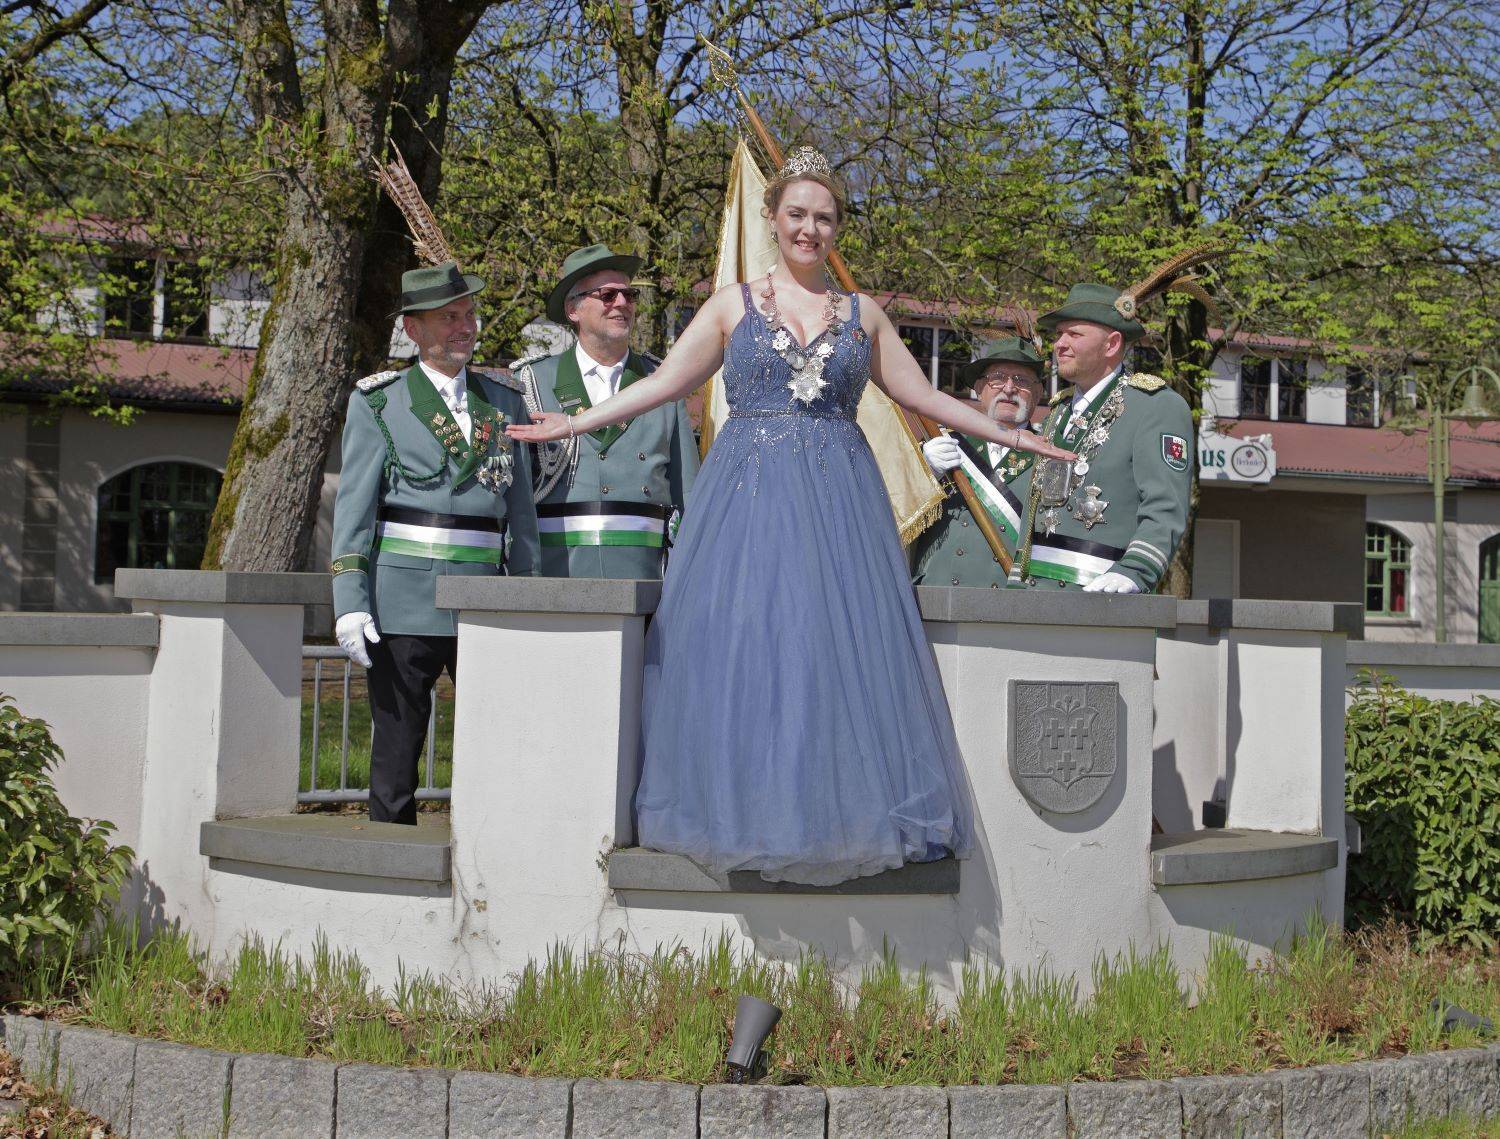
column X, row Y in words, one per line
column 806, row 363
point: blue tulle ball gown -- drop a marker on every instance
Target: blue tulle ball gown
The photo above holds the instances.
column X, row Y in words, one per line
column 794, row 721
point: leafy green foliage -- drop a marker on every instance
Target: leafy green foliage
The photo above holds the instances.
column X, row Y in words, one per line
column 57, row 873
column 1423, row 780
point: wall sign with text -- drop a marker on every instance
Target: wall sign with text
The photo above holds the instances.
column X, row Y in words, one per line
column 1249, row 458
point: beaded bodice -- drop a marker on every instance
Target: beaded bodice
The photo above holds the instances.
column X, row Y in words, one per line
column 756, row 376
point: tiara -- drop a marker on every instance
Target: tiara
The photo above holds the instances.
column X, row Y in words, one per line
column 804, row 160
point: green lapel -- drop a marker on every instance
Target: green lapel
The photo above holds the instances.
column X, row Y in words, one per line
column 635, row 368
column 485, row 424
column 572, row 395
column 429, row 407
column 1095, row 404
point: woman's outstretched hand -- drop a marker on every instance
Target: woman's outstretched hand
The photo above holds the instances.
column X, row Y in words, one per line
column 1031, row 441
column 544, row 427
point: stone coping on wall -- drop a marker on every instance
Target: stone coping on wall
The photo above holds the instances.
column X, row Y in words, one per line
column 1045, row 607
column 592, row 595
column 224, row 588
column 1397, row 653
column 1285, row 616
column 1230, row 855
column 332, row 844
column 87, row 630
column 147, row 1088
column 633, row 868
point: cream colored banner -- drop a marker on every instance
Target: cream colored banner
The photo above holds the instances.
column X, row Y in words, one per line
column 746, row 252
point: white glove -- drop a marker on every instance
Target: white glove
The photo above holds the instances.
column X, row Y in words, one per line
column 352, row 631
column 942, row 454
column 1111, row 583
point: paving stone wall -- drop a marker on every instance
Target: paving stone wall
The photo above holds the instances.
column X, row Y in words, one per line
column 147, row 1088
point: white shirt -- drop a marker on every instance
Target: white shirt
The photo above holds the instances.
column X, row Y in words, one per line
column 1082, row 401
column 600, row 380
column 455, row 393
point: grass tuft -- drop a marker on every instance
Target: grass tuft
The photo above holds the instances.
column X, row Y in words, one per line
column 669, row 1014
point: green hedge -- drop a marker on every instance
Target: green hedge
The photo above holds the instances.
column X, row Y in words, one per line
column 58, row 874
column 1423, row 780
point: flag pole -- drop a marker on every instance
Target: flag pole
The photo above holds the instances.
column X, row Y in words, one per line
column 722, row 66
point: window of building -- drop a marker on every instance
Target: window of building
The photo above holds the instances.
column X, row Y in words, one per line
column 1291, row 389
column 185, row 302
column 1489, row 591
column 1387, row 572
column 1361, row 402
column 1273, row 387
column 940, row 351
column 1255, row 387
column 155, row 516
column 128, row 288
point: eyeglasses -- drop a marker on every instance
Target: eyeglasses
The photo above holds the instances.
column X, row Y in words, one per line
column 1019, row 383
column 608, row 294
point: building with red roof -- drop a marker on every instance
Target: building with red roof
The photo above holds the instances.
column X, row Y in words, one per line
column 1306, row 492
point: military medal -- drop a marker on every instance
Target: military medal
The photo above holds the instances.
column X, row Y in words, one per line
column 495, row 469
column 1090, row 509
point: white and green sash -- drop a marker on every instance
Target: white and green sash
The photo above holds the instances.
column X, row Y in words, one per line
column 1003, row 507
column 603, row 524
column 1058, row 557
column 445, row 543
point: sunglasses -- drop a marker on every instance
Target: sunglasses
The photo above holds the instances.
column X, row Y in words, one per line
column 607, row 294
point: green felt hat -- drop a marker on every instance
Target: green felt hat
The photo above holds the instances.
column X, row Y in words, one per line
column 1006, row 350
column 434, row 286
column 578, row 265
column 1095, row 304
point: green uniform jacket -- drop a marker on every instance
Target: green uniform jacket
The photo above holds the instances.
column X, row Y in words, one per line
column 650, row 460
column 420, row 435
column 952, row 551
column 1142, row 471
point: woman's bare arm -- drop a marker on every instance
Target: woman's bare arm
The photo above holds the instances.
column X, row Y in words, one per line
column 695, row 357
column 898, row 374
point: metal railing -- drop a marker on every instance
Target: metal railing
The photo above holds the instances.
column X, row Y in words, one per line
column 343, row 793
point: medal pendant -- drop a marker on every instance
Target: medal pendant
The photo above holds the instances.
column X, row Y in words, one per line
column 1054, row 479
column 1090, row 510
column 1050, row 521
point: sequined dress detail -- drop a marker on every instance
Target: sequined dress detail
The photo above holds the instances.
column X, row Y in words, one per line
column 793, row 719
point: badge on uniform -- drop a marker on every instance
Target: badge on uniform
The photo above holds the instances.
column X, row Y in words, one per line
column 1174, row 452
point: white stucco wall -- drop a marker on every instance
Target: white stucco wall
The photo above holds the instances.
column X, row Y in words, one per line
column 96, row 702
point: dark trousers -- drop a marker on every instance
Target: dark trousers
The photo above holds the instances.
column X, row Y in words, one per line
column 403, row 669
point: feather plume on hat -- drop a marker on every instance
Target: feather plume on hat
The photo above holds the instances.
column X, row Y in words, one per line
column 1020, row 319
column 427, row 236
column 1170, row 276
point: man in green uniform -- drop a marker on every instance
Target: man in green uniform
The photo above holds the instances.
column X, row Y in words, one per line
column 1109, row 522
column 606, row 502
column 430, row 485
column 1006, row 382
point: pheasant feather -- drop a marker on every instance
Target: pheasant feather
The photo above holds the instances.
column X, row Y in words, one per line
column 1158, row 279
column 1020, row 319
column 427, row 236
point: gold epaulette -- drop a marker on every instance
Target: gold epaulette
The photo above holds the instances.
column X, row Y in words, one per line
column 1062, row 394
column 378, row 380
column 1145, row 381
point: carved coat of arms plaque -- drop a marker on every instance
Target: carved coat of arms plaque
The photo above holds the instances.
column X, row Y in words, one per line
column 1063, row 742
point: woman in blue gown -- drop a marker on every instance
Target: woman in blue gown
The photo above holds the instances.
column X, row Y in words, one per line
column 793, row 720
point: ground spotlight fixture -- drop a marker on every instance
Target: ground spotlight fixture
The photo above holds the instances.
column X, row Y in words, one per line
column 753, row 1021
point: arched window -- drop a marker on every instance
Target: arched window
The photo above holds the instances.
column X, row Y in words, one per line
column 1489, row 591
column 154, row 516
column 1387, row 571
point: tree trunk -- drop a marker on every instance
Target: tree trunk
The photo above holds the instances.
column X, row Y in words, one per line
column 338, row 260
